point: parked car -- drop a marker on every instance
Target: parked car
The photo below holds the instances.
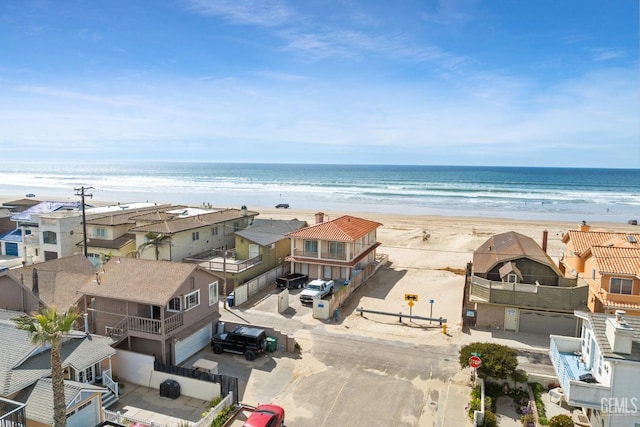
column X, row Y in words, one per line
column 30, row 195
column 266, row 416
column 282, row 206
column 244, row 340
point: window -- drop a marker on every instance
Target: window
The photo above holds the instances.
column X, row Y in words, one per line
column 174, row 304
column 512, row 278
column 191, row 300
column 50, row 237
column 621, row 286
column 236, row 226
column 214, row 231
column 213, row 293
column 100, row 233
column 195, row 235
column 311, row 246
column 336, row 249
column 86, row 376
column 593, row 274
column 27, row 232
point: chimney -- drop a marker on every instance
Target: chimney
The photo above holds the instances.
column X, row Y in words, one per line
column 86, row 322
column 584, row 226
column 34, row 282
column 319, row 217
column 243, row 210
column 545, row 237
column 619, row 333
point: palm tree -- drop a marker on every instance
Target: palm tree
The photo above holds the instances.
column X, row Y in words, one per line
column 153, row 239
column 47, row 327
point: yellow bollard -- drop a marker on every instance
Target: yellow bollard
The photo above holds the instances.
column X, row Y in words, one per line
column 444, row 328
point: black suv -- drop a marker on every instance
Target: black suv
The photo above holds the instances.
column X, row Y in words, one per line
column 242, row 340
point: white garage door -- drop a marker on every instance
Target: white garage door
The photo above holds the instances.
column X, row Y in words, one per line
column 547, row 323
column 86, row 415
column 192, row 344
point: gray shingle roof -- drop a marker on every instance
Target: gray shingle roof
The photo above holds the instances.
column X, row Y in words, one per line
column 44, row 207
column 267, row 231
column 176, row 225
column 598, row 324
column 39, row 398
column 22, row 363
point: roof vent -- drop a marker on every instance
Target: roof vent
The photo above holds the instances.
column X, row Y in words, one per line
column 619, row 316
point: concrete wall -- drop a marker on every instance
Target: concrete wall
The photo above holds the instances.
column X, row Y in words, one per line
column 489, row 316
column 138, row 369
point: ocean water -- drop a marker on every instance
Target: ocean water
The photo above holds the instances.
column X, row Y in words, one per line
column 611, row 195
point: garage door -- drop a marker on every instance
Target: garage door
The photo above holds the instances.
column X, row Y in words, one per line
column 547, row 323
column 192, row 344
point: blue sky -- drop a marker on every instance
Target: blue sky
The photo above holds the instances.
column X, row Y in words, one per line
column 500, row 82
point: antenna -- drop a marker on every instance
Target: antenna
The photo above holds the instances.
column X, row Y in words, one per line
column 81, row 192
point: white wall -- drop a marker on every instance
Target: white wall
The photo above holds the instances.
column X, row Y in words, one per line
column 138, row 369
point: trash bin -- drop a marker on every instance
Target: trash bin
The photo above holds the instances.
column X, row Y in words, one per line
column 231, row 299
column 170, row 389
column 272, row 344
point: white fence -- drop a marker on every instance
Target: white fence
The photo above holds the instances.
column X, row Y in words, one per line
column 253, row 286
column 206, row 421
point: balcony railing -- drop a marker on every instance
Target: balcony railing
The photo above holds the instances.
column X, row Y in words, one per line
column 527, row 295
column 566, row 359
column 230, row 265
column 145, row 325
column 614, row 299
column 323, row 255
column 12, row 413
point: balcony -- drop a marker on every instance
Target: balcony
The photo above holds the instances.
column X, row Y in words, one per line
column 528, row 295
column 145, row 327
column 567, row 361
column 612, row 300
column 323, row 255
column 217, row 260
column 12, row 413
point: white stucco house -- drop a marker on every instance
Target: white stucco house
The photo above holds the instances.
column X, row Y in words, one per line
column 599, row 371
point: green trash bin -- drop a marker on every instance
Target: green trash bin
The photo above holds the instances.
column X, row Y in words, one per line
column 271, row 344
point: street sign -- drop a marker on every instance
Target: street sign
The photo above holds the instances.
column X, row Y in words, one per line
column 410, row 303
column 411, row 297
column 475, row 362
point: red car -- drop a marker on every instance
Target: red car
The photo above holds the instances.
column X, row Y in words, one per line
column 266, row 416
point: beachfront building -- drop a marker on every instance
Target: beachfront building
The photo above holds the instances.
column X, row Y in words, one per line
column 609, row 264
column 52, row 283
column 44, row 231
column 160, row 308
column 108, row 231
column 258, row 249
column 188, row 232
column 598, row 371
column 339, row 249
column 514, row 285
column 25, row 374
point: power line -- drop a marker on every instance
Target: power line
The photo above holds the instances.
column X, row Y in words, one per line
column 81, row 192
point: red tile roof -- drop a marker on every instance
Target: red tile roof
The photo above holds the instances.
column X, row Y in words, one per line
column 617, row 260
column 343, row 229
column 583, row 240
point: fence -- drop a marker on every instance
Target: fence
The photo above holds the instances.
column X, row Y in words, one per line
column 253, row 286
column 227, row 383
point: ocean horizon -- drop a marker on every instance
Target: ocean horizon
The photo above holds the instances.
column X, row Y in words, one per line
column 527, row 193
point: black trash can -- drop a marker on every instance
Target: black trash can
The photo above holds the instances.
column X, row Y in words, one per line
column 170, row 389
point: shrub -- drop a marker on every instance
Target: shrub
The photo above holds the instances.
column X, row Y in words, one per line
column 498, row 361
column 561, row 420
column 490, row 419
column 537, row 394
column 528, row 420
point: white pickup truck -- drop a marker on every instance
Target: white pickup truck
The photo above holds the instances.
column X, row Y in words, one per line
column 316, row 289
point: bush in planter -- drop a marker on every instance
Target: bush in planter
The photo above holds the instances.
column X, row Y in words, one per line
column 561, row 420
column 528, row 420
column 490, row 419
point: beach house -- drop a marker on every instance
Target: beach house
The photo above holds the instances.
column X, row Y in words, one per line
column 339, row 249
column 257, row 249
column 160, row 308
column 173, row 235
column 598, row 370
column 609, row 264
column 26, row 368
column 515, row 285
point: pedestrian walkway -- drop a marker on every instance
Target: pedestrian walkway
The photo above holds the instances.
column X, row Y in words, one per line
column 456, row 401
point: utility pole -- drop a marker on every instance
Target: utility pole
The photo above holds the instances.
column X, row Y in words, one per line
column 81, row 192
